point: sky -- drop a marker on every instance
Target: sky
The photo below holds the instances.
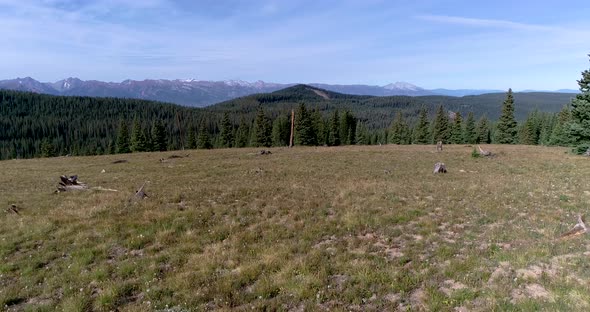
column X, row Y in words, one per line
column 462, row 44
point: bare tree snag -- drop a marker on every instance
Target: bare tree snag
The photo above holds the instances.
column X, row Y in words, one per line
column 292, row 127
column 141, row 193
column 439, row 146
column 70, row 184
column 440, row 168
column 483, row 152
column 578, row 229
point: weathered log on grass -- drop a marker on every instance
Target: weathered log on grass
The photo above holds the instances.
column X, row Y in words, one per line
column 70, row 184
column 440, row 168
column 120, row 161
column 578, row 229
column 140, row 194
column 265, row 152
column 483, row 152
column 13, row 209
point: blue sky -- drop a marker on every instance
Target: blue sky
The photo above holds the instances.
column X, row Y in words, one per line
column 447, row 44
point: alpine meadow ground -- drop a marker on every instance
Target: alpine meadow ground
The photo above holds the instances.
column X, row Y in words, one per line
column 341, row 228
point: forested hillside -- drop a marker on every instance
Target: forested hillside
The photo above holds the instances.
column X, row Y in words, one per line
column 33, row 125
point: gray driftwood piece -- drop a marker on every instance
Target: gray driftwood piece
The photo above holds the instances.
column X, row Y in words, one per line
column 578, row 229
column 140, row 194
column 483, row 152
column 440, row 168
column 70, row 184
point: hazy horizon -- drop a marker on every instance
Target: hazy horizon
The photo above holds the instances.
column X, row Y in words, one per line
column 431, row 44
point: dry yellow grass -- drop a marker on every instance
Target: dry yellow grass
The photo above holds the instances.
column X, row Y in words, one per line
column 348, row 228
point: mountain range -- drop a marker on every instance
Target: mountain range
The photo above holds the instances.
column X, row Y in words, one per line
column 200, row 93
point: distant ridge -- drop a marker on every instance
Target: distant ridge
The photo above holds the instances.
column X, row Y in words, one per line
column 200, row 93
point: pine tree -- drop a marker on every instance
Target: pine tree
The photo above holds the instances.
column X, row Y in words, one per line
column 281, row 131
column 192, row 139
column 560, row 135
column 159, row 139
column 362, row 135
column 506, row 128
column 529, row 132
column 47, row 148
column 203, row 142
column 318, row 127
column 138, row 139
column 422, row 130
column 399, row 133
column 304, row 131
column 347, row 128
column 242, row 134
column 483, row 131
column 123, row 138
column 262, row 130
column 457, row 130
column 578, row 128
column 334, row 137
column 226, row 135
column 470, row 135
column 440, row 127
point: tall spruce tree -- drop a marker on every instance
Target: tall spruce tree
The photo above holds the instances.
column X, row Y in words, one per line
column 422, row 130
column 192, row 139
column 227, row 131
column 203, row 141
column 506, row 128
column 138, row 139
column 529, row 132
column 159, row 137
column 400, row 131
column 578, row 129
column 362, row 135
column 347, row 128
column 457, row 130
column 262, row 129
column 123, row 138
column 334, row 129
column 559, row 134
column 242, row 134
column 440, row 127
column 281, row 131
column 304, row 130
column 470, row 135
column 483, row 131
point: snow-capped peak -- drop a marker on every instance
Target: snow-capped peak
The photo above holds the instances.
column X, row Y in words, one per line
column 238, row 82
column 400, row 85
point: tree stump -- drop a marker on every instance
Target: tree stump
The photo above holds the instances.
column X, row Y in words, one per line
column 440, row 168
column 70, row 184
column 587, row 152
column 439, row 146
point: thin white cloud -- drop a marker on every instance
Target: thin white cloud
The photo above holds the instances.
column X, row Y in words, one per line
column 484, row 23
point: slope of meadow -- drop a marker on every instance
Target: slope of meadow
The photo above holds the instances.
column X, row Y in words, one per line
column 355, row 228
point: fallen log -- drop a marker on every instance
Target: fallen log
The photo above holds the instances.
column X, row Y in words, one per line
column 140, row 192
column 13, row 209
column 578, row 229
column 483, row 152
column 264, row 152
column 440, row 168
column 70, row 184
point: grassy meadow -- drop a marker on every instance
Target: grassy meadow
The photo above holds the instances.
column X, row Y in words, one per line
column 356, row 228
